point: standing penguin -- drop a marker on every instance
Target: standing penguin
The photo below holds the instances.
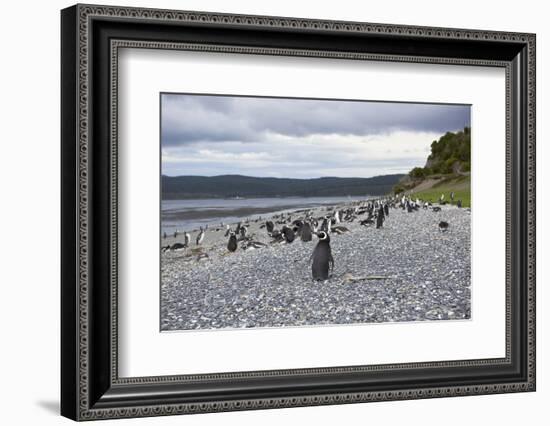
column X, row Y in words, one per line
column 305, row 232
column 322, row 258
column 380, row 218
column 186, row 238
column 288, row 234
column 232, row 244
column 269, row 226
column 386, row 209
column 200, row 237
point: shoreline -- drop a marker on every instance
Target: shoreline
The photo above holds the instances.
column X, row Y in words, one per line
column 207, row 287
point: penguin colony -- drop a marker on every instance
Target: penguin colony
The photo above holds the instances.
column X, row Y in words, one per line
column 285, row 228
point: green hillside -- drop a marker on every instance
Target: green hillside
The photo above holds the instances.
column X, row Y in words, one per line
column 460, row 185
column 447, row 170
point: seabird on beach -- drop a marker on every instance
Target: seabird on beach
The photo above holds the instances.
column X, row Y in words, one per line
column 443, row 226
column 269, row 227
column 322, row 258
column 305, row 232
column 200, row 237
column 339, row 230
column 380, row 218
column 186, row 238
column 177, row 246
column 277, row 236
column 232, row 243
column 288, row 234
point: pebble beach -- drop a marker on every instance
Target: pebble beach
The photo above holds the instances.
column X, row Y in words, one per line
column 406, row 271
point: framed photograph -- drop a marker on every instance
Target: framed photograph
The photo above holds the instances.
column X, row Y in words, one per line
column 263, row 212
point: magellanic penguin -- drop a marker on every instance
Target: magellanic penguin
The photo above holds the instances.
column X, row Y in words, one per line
column 322, row 258
column 200, row 237
column 380, row 218
column 232, row 244
column 269, row 226
column 305, row 232
column 288, row 234
column 186, row 239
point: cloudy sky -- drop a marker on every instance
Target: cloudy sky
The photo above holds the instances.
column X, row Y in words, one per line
column 299, row 138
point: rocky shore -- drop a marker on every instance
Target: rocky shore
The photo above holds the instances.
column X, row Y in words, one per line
column 406, row 271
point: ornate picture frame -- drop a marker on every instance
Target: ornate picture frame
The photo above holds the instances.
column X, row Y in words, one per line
column 91, row 37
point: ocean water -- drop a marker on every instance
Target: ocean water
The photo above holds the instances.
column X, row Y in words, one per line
column 189, row 215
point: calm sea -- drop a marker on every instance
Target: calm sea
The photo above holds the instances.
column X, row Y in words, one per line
column 189, row 215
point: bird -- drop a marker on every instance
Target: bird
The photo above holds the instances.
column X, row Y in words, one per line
column 322, row 258
column 277, row 236
column 339, row 230
column 177, row 246
column 288, row 234
column 165, row 236
column 200, row 236
column 443, row 226
column 380, row 218
column 305, row 232
column 232, row 243
column 186, row 239
column 269, row 226
column 459, row 204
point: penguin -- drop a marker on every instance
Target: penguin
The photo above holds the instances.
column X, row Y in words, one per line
column 380, row 218
column 386, row 210
column 269, row 226
column 459, row 204
column 339, row 230
column 305, row 232
column 232, row 244
column 186, row 239
column 322, row 258
column 164, row 236
column 443, row 226
column 277, row 236
column 288, row 234
column 176, row 233
column 252, row 245
column 177, row 246
column 200, row 237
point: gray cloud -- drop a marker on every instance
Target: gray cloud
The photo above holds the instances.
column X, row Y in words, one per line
column 195, row 118
column 213, row 135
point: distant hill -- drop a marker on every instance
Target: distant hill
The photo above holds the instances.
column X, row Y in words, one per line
column 449, row 154
column 447, row 170
column 229, row 186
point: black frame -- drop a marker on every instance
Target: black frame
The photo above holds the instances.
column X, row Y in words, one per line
column 90, row 387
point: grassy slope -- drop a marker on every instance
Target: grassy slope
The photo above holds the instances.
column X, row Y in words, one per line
column 460, row 185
